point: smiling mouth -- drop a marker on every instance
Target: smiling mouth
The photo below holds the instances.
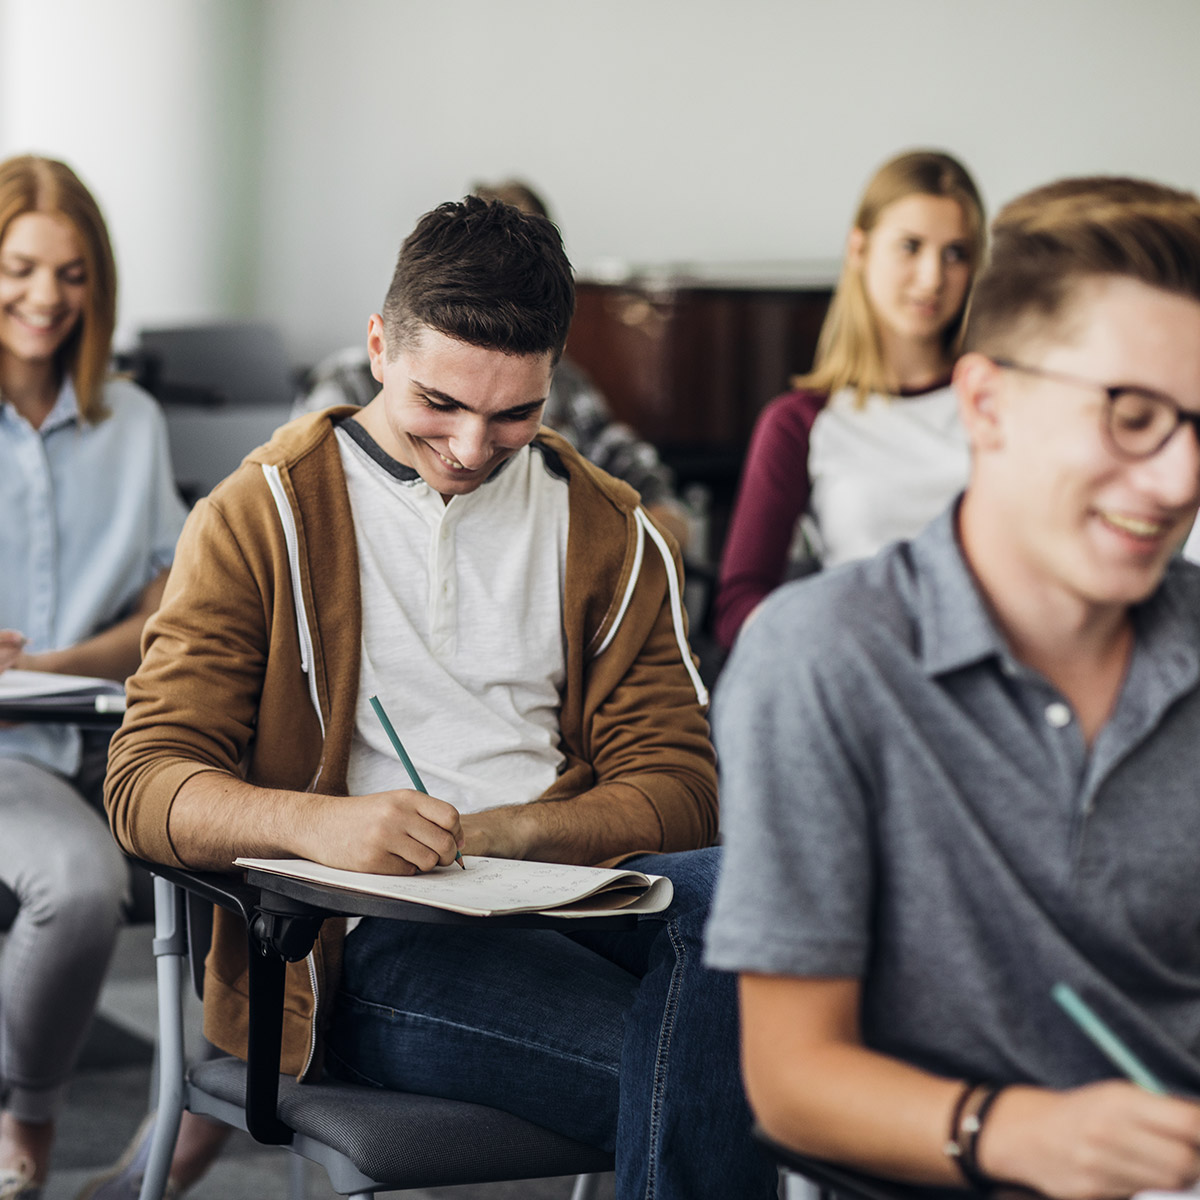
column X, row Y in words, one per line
column 43, row 324
column 450, row 462
column 1137, row 526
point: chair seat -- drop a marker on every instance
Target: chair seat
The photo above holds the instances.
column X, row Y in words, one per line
column 403, row 1140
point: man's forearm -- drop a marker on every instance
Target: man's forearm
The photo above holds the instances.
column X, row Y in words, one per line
column 848, row 1104
column 598, row 825
column 815, row 1087
column 216, row 818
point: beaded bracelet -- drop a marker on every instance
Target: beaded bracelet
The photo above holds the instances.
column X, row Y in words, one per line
column 966, row 1126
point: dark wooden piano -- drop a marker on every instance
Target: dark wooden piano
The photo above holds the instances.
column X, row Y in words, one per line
column 689, row 354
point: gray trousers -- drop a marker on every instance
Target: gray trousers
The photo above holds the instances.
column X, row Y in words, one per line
column 59, row 859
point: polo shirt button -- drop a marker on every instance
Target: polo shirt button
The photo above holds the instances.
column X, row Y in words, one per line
column 1058, row 715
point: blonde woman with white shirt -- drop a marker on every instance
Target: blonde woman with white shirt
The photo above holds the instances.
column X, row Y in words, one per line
column 868, row 444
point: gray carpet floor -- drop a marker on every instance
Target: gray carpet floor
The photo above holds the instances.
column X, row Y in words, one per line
column 110, row 1094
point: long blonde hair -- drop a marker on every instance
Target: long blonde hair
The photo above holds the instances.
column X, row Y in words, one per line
column 849, row 351
column 44, row 185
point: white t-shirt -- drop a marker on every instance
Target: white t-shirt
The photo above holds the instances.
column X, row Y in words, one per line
column 881, row 472
column 462, row 631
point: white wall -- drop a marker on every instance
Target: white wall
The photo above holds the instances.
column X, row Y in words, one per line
column 659, row 129
column 155, row 104
column 685, row 129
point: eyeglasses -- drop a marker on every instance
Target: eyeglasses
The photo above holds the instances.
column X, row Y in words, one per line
column 1139, row 422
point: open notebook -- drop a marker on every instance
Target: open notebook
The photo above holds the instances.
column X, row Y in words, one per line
column 41, row 692
column 497, row 886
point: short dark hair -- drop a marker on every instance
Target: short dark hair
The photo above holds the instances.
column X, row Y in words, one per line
column 484, row 273
column 1048, row 241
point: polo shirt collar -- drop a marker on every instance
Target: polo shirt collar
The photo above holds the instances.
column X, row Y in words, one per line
column 956, row 629
column 1167, row 656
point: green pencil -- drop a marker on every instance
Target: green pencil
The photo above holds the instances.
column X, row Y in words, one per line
column 398, row 746
column 1105, row 1039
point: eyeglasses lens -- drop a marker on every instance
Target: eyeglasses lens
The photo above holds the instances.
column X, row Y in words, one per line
column 1140, row 424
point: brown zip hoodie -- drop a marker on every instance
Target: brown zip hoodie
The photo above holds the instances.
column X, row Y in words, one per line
column 251, row 667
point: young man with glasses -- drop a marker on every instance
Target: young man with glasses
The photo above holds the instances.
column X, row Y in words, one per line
column 980, row 781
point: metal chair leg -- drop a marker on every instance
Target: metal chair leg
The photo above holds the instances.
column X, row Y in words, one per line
column 796, row 1187
column 587, row 1187
column 170, row 949
column 297, row 1177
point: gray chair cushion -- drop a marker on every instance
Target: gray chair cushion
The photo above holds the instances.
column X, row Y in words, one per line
column 407, row 1141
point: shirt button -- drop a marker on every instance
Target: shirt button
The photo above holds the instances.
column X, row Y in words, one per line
column 1058, row 715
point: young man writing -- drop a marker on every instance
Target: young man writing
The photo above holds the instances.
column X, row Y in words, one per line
column 518, row 615
column 966, row 771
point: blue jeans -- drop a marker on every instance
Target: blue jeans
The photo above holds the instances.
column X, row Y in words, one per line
column 621, row 1040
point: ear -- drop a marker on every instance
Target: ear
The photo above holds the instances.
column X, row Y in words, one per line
column 856, row 243
column 376, row 346
column 980, row 406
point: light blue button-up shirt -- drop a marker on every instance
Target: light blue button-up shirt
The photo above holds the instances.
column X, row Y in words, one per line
column 89, row 516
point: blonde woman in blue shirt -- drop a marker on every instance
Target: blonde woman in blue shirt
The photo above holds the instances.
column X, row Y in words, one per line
column 90, row 521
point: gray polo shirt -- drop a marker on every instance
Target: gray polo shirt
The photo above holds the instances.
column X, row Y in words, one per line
column 905, row 803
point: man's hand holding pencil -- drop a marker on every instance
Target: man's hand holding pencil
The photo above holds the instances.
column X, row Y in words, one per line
column 413, row 775
column 399, row 832
column 1106, row 1139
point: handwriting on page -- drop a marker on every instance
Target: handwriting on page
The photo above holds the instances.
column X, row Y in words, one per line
column 489, row 885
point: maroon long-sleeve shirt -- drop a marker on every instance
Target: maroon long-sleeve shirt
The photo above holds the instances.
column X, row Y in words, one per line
column 772, row 495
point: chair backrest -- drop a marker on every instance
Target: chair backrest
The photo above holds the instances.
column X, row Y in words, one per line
column 241, row 364
column 225, row 387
